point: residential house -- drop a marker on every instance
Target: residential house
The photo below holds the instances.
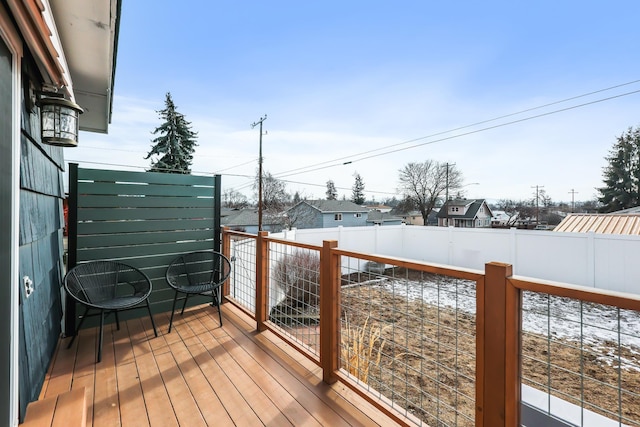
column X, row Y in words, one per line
column 376, row 217
column 247, row 220
column 379, row 207
column 62, row 48
column 412, row 218
column 327, row 213
column 415, row 217
column 465, row 213
column 502, row 219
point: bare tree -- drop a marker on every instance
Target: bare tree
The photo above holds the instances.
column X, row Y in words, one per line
column 234, row 199
column 424, row 183
column 274, row 193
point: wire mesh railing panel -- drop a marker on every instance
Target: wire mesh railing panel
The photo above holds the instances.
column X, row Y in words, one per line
column 409, row 336
column 294, row 281
column 242, row 281
column 580, row 360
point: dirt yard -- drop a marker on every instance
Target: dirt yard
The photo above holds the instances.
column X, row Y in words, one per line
column 425, row 360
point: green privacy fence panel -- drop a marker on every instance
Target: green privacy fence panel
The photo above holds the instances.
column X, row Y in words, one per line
column 143, row 219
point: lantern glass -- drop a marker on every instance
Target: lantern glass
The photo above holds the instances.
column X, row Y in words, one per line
column 59, row 121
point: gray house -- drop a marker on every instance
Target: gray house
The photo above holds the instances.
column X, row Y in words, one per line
column 327, row 213
column 48, row 49
column 469, row 213
column 376, row 217
column 246, row 220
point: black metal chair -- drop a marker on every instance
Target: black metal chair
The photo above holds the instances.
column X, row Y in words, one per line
column 198, row 273
column 108, row 286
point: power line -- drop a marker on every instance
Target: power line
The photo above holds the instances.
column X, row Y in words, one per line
column 293, row 171
column 467, row 126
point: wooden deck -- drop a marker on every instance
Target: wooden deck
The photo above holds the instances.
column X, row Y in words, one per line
column 201, row 375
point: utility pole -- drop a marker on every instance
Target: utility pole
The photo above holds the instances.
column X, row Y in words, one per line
column 253, row 125
column 573, row 203
column 446, row 191
column 537, row 187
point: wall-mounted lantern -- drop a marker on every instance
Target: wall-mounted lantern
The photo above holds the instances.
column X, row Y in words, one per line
column 59, row 120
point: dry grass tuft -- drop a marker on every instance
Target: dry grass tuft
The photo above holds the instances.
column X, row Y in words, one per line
column 362, row 348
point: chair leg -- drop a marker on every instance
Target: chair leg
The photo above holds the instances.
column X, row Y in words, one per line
column 117, row 320
column 155, row 331
column 100, row 339
column 184, row 304
column 216, row 296
column 84, row 316
column 173, row 309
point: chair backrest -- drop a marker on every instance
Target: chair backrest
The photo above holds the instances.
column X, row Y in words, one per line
column 95, row 282
column 198, row 269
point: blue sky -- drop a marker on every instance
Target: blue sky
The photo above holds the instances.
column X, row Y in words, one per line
column 338, row 79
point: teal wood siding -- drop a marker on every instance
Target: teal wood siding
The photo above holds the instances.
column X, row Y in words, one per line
column 144, row 219
column 40, row 252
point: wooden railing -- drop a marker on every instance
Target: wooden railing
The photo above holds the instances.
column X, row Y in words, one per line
column 498, row 329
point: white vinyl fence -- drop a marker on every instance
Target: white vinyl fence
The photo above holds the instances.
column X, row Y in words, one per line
column 604, row 261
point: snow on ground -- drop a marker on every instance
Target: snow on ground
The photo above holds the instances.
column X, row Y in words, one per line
column 602, row 328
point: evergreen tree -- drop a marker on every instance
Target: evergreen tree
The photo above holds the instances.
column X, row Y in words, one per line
column 332, row 193
column 357, row 191
column 296, row 198
column 175, row 144
column 622, row 174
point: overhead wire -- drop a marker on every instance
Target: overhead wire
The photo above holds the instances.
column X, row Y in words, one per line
column 298, row 172
column 289, row 172
column 358, row 156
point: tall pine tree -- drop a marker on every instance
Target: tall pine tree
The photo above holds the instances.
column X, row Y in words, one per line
column 357, row 191
column 175, row 144
column 332, row 193
column 622, row 175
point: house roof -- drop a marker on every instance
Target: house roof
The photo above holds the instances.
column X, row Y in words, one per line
column 472, row 205
column 74, row 44
column 613, row 223
column 377, row 216
column 89, row 34
column 331, row 206
column 242, row 218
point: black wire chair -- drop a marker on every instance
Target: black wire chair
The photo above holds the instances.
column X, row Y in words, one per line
column 108, row 287
column 198, row 273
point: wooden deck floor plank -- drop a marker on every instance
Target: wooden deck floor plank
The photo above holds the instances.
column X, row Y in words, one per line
column 184, row 405
column 139, row 341
column 281, row 395
column 88, row 382
column 156, row 398
column 106, row 409
column 355, row 410
column 122, row 344
column 287, row 395
column 132, row 406
column 252, row 393
column 62, row 372
column 208, row 403
column 323, row 409
column 202, row 374
column 238, row 409
column 158, row 344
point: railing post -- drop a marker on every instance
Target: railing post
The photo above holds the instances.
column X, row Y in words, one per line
column 329, row 311
column 262, row 280
column 498, row 349
column 226, row 251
